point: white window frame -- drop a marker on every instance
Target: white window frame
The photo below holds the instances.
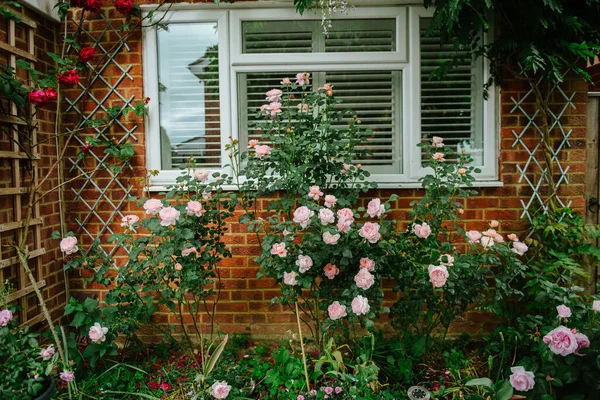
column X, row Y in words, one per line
column 405, row 58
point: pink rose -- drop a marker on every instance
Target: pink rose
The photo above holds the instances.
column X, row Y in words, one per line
column 252, row 143
column 422, row 230
column 462, row 171
column 69, row 245
column 494, row 223
column 375, row 208
column 178, row 267
column 563, row 311
column 438, row 157
column 303, row 108
column 289, row 278
column 522, row 380
column 338, row 390
column 5, row 317
column 304, row 263
column 336, row 310
column 328, row 390
column 583, row 342
column 128, row 221
column 519, row 248
column 201, row 175
column 328, row 238
column 47, row 353
column 153, row 206
column 303, row 78
column 262, row 150
column 438, row 274
column 498, row 238
column 360, row 305
column 302, row 216
column 273, row 95
column 370, row 231
column 326, row 216
column 447, row 260
column 194, row 208
column 168, row 216
column 490, row 233
column 300, row 397
column 67, row 376
column 513, row 237
column 273, row 109
column 330, row 200
column 315, row 193
column 596, row 305
column 220, row 390
column 346, row 168
column 345, row 220
column 487, row 241
column 331, row 271
column 364, row 279
column 473, row 236
column 561, row 341
column 97, row 333
column 279, row 249
column 187, row 252
column 460, row 211
column 367, row 263
column 437, row 141
column 286, row 81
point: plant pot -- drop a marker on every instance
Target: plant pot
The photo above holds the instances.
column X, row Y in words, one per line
column 46, row 393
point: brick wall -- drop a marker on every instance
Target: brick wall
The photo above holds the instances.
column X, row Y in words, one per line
column 51, row 264
column 244, row 303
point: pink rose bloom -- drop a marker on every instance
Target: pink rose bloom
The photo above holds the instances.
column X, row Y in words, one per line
column 328, row 389
column 286, row 232
column 178, row 267
column 462, row 171
column 326, row 216
column 273, row 95
column 596, row 305
column 367, row 263
column 343, row 225
column 522, row 380
column 153, row 206
column 487, row 241
column 473, row 236
column 375, row 208
column 5, row 317
column 69, row 245
column 128, row 221
column 490, row 233
column 187, row 252
column 303, row 108
column 364, row 279
column 194, row 208
column 67, row 376
column 262, row 150
column 300, row 397
column 289, row 278
column 438, row 156
column 168, row 216
column 47, row 353
column 315, row 193
column 512, row 237
column 370, row 231
column 336, row 310
column 498, row 238
column 460, row 211
column 303, row 78
column 494, row 223
column 328, row 238
column 519, row 248
column 304, row 263
column 583, row 342
column 220, row 390
column 561, row 341
column 201, row 175
column 438, row 274
column 346, row 168
column 330, row 200
column 360, row 305
column 286, row 81
column 338, row 390
column 437, row 141
column 449, row 260
column 274, row 109
column 422, row 230
column 563, row 311
column 252, row 143
column 302, row 216
column 331, row 271
column 97, row 333
column 279, row 249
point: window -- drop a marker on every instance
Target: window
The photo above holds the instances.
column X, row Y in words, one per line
column 210, row 70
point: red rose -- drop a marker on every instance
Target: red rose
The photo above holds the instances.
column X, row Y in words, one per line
column 42, row 97
column 87, row 54
column 69, row 77
column 124, row 6
column 91, row 5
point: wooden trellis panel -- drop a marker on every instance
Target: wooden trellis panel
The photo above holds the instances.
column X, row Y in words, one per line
column 18, row 192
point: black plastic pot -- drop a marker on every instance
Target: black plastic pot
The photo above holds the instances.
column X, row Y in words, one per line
column 48, row 390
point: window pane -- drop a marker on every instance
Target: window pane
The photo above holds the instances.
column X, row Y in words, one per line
column 374, row 96
column 306, row 36
column 452, row 107
column 188, row 75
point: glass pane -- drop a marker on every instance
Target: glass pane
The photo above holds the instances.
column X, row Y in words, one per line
column 451, row 107
column 374, row 96
column 188, row 76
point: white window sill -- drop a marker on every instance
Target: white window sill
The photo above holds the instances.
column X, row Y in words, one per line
column 45, row 7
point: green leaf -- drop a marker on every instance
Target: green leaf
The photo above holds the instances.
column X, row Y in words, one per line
column 487, row 382
column 504, row 390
